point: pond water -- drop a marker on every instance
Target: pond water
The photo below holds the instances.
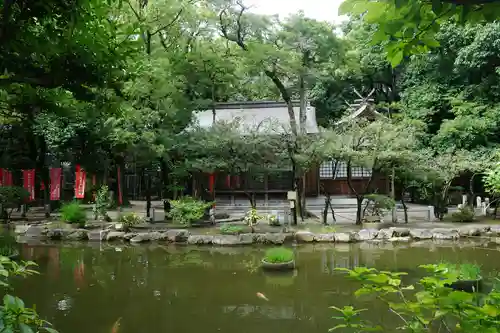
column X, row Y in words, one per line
column 183, row 289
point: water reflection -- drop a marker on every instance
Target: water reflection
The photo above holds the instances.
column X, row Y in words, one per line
column 159, row 288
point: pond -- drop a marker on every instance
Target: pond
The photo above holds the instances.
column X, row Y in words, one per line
column 185, row 289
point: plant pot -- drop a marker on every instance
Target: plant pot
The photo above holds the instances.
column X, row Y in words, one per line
column 469, row 286
column 278, row 266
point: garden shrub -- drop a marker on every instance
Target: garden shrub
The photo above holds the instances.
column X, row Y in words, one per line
column 102, row 203
column 464, row 214
column 378, row 204
column 8, row 245
column 12, row 197
column 230, row 229
column 187, row 210
column 130, row 219
column 73, row 213
column 278, row 255
column 273, row 220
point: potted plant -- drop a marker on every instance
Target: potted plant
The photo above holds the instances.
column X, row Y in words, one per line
column 278, row 259
column 467, row 277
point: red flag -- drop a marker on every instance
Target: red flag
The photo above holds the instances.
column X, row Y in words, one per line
column 7, row 178
column 228, row 180
column 94, row 182
column 119, row 182
column 237, row 181
column 80, row 178
column 55, row 183
column 29, row 182
column 42, row 186
column 1, row 177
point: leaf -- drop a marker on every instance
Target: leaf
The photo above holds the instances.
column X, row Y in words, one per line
column 396, row 58
column 337, row 327
column 23, row 328
column 437, row 7
column 50, row 330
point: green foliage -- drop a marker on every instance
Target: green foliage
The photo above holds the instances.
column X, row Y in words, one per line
column 8, row 245
column 273, row 220
column 14, row 315
column 102, row 201
column 429, row 305
column 252, row 217
column 187, row 210
column 12, row 197
column 463, row 214
column 279, row 255
column 464, row 271
column 129, row 220
column 379, row 205
column 409, row 26
column 73, row 213
column 230, row 229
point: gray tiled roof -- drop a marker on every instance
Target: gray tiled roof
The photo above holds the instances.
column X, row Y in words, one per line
column 265, row 115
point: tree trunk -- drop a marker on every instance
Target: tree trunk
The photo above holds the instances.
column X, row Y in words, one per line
column 165, row 189
column 359, row 209
column 403, row 203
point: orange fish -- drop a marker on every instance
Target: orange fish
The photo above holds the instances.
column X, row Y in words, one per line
column 116, row 326
column 262, row 296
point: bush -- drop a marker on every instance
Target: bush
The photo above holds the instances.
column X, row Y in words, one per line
column 73, row 213
column 228, row 229
column 273, row 220
column 102, row 202
column 12, row 197
column 129, row 220
column 187, row 210
column 279, row 255
column 378, row 205
column 464, row 214
column 8, row 246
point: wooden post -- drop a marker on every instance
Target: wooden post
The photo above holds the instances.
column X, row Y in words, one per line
column 266, row 189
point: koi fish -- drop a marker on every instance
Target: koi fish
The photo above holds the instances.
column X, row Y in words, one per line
column 116, row 326
column 262, row 296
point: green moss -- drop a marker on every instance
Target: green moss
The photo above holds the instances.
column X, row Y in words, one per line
column 279, row 255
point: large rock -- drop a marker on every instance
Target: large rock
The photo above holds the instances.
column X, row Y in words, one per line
column 367, row 234
column 420, row 234
column 400, row 232
column 97, row 235
column 345, row 237
column 246, row 239
column 158, row 236
column 115, row 235
column 141, row 238
column 129, row 235
column 400, row 239
column 304, row 236
column 200, row 239
column 226, row 240
column 470, row 231
column 54, row 234
column 495, row 230
column 277, row 239
column 21, row 229
column 385, row 233
column 177, row 235
column 38, row 232
column 447, row 234
column 79, row 234
column 324, row 238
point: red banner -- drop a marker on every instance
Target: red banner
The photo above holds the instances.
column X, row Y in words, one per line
column 29, row 182
column 55, row 183
column 80, row 177
column 118, row 183
column 7, row 178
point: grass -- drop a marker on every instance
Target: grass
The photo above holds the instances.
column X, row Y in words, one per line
column 228, row 229
column 277, row 255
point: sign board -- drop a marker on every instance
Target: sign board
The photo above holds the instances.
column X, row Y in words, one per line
column 291, row 195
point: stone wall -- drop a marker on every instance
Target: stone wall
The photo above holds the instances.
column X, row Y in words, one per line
column 184, row 236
